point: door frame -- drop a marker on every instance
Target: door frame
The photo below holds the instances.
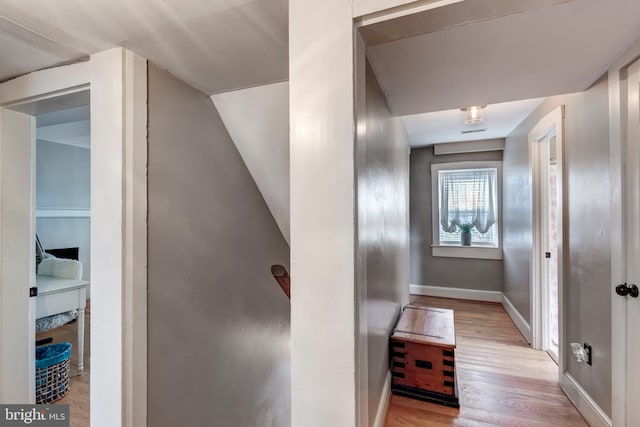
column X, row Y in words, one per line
column 118, row 84
column 542, row 238
column 552, row 123
column 619, row 193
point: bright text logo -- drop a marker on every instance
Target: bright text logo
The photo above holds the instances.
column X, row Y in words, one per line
column 34, row 415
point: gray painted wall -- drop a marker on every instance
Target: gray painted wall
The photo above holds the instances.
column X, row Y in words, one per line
column 517, row 217
column 218, row 322
column 587, row 286
column 383, row 197
column 63, row 182
column 426, row 269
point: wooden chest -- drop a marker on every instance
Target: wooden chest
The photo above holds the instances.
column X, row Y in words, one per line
column 422, row 352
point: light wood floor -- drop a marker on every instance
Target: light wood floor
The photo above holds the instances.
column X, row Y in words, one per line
column 78, row 396
column 501, row 380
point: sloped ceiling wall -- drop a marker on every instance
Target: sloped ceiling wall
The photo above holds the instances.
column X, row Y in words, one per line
column 258, row 121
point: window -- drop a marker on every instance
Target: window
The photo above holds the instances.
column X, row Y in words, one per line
column 466, row 195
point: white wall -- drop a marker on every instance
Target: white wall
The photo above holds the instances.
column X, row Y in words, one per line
column 323, row 296
column 107, row 121
column 257, row 120
column 118, row 238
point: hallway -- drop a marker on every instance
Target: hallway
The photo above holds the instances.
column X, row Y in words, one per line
column 501, row 380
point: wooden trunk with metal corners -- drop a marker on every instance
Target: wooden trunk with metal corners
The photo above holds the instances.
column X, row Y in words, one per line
column 422, row 352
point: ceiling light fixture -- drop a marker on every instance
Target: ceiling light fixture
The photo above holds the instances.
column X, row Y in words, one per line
column 474, row 115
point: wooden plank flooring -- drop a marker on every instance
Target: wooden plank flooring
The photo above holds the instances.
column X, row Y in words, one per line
column 78, row 396
column 501, row 380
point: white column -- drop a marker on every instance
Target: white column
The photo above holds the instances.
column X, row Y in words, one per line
column 323, row 298
column 118, row 239
column 107, row 134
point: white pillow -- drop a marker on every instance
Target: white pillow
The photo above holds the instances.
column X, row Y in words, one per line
column 63, row 268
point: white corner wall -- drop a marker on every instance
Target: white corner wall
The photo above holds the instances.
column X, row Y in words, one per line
column 323, row 298
column 118, row 239
column 257, row 120
column 106, row 258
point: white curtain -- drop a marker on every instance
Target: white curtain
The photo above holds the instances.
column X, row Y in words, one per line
column 468, row 197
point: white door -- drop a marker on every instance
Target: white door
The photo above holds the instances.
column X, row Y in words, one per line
column 17, row 269
column 632, row 245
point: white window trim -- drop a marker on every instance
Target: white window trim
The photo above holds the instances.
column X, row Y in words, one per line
column 477, row 252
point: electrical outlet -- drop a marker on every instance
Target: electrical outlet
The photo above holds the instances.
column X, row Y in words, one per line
column 587, row 349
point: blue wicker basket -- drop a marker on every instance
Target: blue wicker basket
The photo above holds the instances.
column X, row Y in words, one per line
column 52, row 372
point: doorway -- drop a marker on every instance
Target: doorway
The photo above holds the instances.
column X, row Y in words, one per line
column 47, row 143
column 118, row 233
column 549, row 244
column 63, row 228
column 546, row 171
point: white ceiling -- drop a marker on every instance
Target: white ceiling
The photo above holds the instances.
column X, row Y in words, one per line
column 67, row 115
column 63, row 119
column 70, row 133
column 215, row 45
column 69, row 126
column 542, row 52
column 447, row 126
column 224, row 45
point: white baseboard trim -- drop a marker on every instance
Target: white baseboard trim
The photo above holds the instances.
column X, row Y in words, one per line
column 517, row 319
column 589, row 409
column 457, row 293
column 383, row 406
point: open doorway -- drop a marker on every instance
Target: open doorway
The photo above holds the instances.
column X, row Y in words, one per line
column 118, row 230
column 438, row 73
column 63, row 227
column 58, row 217
column 546, row 141
column 552, row 232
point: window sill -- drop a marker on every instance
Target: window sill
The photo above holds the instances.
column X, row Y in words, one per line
column 475, row 252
